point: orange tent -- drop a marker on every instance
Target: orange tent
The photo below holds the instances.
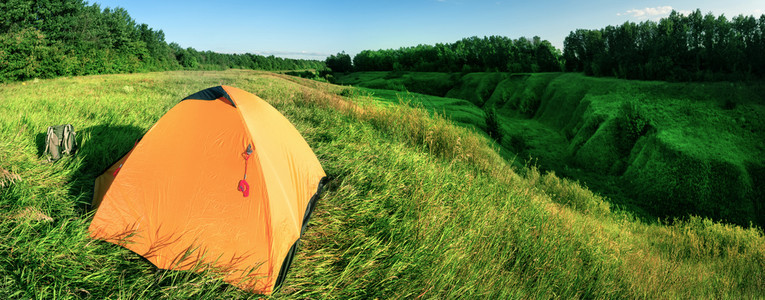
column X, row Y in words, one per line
column 222, row 181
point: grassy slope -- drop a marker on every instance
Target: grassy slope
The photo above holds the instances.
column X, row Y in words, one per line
column 702, row 151
column 418, row 207
column 457, row 110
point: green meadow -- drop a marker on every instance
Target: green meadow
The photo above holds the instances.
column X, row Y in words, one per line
column 422, row 205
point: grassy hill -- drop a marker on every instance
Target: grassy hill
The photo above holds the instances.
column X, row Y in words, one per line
column 660, row 149
column 419, row 207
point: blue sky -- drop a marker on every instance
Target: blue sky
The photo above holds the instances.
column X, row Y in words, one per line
column 316, row 29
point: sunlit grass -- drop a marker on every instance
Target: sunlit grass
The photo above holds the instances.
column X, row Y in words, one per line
column 419, row 207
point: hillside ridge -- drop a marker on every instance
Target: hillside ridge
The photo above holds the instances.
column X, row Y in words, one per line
column 675, row 149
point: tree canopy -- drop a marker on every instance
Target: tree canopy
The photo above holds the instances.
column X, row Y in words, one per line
column 676, row 48
column 339, row 63
column 691, row 47
column 43, row 39
column 473, row 54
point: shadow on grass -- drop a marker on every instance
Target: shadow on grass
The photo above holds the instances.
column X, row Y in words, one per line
column 40, row 143
column 99, row 147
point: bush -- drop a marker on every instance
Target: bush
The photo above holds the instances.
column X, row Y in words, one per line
column 631, row 125
column 529, row 103
column 492, row 125
column 347, row 93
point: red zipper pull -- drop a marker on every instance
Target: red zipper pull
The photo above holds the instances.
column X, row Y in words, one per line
column 244, row 187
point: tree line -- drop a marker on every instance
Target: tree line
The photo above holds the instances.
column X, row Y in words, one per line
column 691, row 47
column 473, row 54
column 43, row 39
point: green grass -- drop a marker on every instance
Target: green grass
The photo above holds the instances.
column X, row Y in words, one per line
column 476, row 87
column 457, row 110
column 419, row 207
column 661, row 150
column 431, row 83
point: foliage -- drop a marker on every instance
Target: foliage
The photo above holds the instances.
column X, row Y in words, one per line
column 691, row 47
column 45, row 39
column 20, row 54
column 493, row 127
column 474, row 54
column 309, row 74
column 339, row 63
column 631, row 125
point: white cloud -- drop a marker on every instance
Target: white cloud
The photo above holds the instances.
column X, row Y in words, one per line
column 295, row 54
column 651, row 12
column 655, row 13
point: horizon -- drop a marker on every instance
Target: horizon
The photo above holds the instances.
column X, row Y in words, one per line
column 311, row 30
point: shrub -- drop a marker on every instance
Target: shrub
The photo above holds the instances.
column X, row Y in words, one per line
column 330, row 78
column 492, row 125
column 529, row 103
column 631, row 125
column 346, row 93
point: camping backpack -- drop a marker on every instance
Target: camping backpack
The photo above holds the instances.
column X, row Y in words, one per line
column 60, row 140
